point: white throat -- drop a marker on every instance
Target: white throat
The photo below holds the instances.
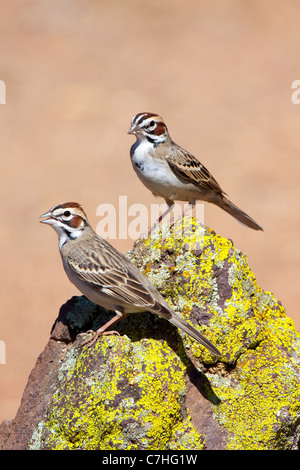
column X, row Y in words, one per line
column 64, row 236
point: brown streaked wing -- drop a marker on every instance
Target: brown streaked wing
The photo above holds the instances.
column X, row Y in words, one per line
column 186, row 166
column 113, row 274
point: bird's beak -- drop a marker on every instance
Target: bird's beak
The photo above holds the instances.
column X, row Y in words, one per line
column 132, row 130
column 47, row 218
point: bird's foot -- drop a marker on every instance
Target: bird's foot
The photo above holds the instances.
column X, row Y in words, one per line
column 95, row 335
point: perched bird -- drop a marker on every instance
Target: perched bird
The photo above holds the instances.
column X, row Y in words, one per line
column 105, row 276
column 169, row 171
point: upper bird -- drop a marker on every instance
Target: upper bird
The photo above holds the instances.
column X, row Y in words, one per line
column 173, row 173
column 105, row 276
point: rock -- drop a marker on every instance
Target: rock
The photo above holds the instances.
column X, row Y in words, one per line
column 154, row 388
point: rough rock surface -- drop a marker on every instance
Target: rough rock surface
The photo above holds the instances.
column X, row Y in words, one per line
column 153, row 387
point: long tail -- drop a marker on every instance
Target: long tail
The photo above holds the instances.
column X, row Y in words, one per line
column 237, row 213
column 190, row 330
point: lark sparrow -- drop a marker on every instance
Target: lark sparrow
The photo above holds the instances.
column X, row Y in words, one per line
column 105, row 276
column 173, row 173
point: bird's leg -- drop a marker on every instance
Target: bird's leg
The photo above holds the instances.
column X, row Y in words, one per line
column 170, row 204
column 180, row 217
column 183, row 213
column 102, row 330
column 188, row 207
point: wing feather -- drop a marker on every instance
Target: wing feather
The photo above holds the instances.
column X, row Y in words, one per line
column 187, row 167
column 109, row 272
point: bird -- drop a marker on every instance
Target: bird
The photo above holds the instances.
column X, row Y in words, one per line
column 173, row 173
column 105, row 276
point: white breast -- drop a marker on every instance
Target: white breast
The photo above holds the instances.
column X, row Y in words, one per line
column 156, row 174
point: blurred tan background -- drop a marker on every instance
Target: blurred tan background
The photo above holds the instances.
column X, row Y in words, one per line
column 76, row 71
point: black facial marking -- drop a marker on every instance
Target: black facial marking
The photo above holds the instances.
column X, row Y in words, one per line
column 142, row 116
column 153, row 141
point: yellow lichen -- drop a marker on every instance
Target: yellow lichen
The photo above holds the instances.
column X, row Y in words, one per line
column 139, row 377
column 129, row 393
column 248, row 318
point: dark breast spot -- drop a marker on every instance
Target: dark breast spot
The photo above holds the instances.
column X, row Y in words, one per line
column 140, row 165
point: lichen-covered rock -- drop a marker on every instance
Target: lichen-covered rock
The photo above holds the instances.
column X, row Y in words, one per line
column 153, row 387
column 206, row 278
column 122, row 395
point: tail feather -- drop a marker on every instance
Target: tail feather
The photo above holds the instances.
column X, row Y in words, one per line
column 162, row 309
column 190, row 330
column 238, row 214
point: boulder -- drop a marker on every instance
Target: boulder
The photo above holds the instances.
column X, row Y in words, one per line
column 155, row 388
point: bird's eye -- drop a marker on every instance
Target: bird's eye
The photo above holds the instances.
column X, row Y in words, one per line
column 67, row 214
column 151, row 126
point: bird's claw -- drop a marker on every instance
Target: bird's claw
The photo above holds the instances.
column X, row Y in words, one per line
column 95, row 335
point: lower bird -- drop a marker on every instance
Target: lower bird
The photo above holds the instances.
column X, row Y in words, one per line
column 105, row 276
column 171, row 172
